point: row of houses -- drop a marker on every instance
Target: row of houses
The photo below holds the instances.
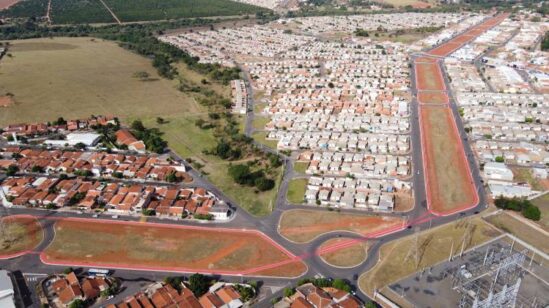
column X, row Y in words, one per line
column 159, row 295
column 62, row 290
column 342, row 142
column 311, row 296
column 114, row 198
column 373, row 194
column 38, row 129
column 372, row 22
column 97, row 164
column 240, row 96
column 358, row 165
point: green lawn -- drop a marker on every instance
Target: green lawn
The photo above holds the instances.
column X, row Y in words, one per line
column 301, row 167
column 260, row 122
column 261, row 137
column 296, row 191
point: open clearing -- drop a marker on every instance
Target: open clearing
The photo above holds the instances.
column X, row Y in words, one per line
column 543, row 204
column 434, row 246
column 20, row 234
column 296, row 191
column 505, row 222
column 449, row 185
column 4, row 4
column 301, row 167
column 350, row 256
column 433, row 98
column 163, row 247
column 57, row 77
column 429, row 77
column 303, row 226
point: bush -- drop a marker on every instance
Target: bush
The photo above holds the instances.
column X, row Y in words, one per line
column 499, row 159
column 531, row 212
column 289, row 292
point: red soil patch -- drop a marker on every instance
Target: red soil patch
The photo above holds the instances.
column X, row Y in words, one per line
column 4, row 4
column 433, row 98
column 458, row 41
column 420, row 5
column 6, row 101
column 429, row 77
column 425, row 60
column 448, row 179
column 315, row 224
column 25, row 234
column 164, row 247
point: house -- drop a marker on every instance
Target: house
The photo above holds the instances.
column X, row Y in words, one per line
column 125, row 137
column 497, row 171
column 7, row 291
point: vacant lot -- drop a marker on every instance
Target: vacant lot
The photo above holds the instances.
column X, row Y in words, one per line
column 429, row 76
column 296, row 191
column 19, row 234
column 78, row 11
column 161, row 246
column 304, row 225
column 432, row 97
column 77, row 77
column 348, row 256
column 434, row 245
column 449, row 185
column 543, row 204
column 505, row 222
column 4, row 4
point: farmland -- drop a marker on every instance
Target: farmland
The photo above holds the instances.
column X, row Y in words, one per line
column 74, row 11
column 20, row 234
column 162, row 247
column 303, row 226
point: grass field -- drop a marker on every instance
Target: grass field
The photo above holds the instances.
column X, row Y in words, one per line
column 301, row 167
column 65, row 82
column 20, row 234
column 296, row 191
column 505, row 222
column 434, row 246
column 543, row 204
column 345, row 257
column 525, row 175
column 261, row 137
column 303, row 226
column 77, row 77
column 162, row 246
column 449, row 186
column 77, row 11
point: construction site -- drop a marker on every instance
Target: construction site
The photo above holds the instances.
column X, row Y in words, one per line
column 504, row 272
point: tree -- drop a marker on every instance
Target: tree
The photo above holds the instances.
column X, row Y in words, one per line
column 532, row 212
column 37, row 169
column 199, row 284
column 499, row 159
column 289, row 292
column 172, row 177
column 175, row 282
column 160, row 120
column 12, row 170
column 264, row 184
column 77, row 303
column 340, row 284
column 80, row 146
column 68, row 270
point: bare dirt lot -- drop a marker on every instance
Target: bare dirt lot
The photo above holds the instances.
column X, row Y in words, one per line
column 19, row 234
column 163, row 247
column 349, row 256
column 429, row 76
column 4, row 4
column 449, row 184
column 304, row 225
